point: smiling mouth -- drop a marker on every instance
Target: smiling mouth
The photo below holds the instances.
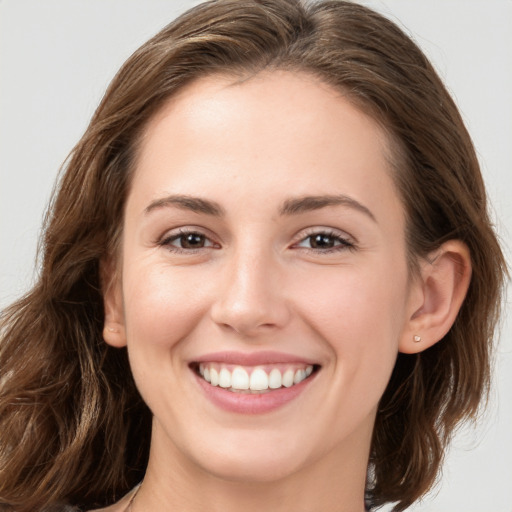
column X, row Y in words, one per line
column 254, row 379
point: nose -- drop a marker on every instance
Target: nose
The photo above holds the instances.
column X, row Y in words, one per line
column 251, row 299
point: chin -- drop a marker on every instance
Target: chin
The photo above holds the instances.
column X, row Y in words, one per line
column 261, row 469
column 244, row 460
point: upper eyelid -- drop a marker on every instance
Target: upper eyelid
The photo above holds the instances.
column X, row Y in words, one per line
column 342, row 243
column 301, row 235
column 175, row 236
column 168, row 239
column 185, row 230
column 314, row 230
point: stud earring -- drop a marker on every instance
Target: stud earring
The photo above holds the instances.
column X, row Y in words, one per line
column 111, row 329
column 417, row 338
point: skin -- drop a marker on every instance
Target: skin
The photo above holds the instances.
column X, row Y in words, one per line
column 258, row 282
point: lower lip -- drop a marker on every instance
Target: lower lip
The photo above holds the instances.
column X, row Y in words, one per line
column 252, row 403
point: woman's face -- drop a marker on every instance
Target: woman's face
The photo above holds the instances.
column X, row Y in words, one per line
column 263, row 245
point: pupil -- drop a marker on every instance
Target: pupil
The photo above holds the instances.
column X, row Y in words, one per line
column 322, row 241
column 192, row 240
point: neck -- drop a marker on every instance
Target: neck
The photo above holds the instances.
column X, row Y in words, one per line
column 333, row 483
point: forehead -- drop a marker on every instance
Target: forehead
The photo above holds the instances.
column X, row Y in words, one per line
column 268, row 100
column 275, row 133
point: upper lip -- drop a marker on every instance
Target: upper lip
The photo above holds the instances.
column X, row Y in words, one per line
column 252, row 358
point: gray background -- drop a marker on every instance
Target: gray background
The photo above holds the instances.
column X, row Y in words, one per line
column 56, row 58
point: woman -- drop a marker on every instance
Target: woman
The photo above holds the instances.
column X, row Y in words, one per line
column 215, row 311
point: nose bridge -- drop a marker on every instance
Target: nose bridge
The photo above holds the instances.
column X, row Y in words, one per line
column 251, row 296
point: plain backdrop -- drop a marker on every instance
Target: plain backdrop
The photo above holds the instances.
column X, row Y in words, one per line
column 57, row 57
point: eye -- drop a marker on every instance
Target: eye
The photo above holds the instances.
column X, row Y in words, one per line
column 186, row 241
column 325, row 241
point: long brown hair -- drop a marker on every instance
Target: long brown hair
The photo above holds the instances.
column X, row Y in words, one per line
column 73, row 426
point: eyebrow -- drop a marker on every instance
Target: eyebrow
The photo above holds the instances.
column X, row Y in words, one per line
column 290, row 206
column 310, row 203
column 191, row 203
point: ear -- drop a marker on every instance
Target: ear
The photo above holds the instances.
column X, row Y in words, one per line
column 436, row 296
column 114, row 332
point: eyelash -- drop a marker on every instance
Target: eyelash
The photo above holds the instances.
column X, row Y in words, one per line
column 341, row 242
column 181, row 234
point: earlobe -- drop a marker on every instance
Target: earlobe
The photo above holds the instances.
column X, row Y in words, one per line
column 113, row 329
column 114, row 334
column 437, row 297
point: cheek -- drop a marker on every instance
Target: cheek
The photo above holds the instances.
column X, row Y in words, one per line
column 359, row 316
column 349, row 302
column 161, row 307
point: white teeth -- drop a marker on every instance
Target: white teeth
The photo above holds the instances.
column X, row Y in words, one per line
column 225, row 378
column 275, row 380
column 259, row 380
column 288, row 378
column 299, row 376
column 239, row 378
